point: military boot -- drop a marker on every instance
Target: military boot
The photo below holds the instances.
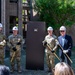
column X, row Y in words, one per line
column 49, row 70
column 19, row 69
column 12, row 69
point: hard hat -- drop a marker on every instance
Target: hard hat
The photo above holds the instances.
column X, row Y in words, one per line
column 1, row 25
column 63, row 28
column 50, row 28
column 15, row 28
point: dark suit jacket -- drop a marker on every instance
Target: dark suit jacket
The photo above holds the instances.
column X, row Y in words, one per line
column 68, row 44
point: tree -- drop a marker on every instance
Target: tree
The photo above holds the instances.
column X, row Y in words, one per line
column 56, row 12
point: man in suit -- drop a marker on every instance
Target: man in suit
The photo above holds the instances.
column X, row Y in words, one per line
column 66, row 43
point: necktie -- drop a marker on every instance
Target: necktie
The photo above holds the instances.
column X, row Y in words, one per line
column 63, row 41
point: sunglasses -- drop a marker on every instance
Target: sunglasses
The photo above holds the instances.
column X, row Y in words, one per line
column 62, row 31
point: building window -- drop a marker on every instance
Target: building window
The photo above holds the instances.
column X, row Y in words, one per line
column 13, row 1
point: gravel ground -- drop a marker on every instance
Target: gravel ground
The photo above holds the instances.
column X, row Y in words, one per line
column 34, row 72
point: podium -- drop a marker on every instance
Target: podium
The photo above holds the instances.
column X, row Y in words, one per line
column 34, row 47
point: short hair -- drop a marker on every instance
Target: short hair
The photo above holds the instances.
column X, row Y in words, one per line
column 4, row 70
column 63, row 69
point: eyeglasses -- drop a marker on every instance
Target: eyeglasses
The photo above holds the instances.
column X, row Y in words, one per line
column 62, row 31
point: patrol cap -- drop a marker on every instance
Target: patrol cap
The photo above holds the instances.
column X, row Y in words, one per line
column 62, row 28
column 15, row 28
column 1, row 25
column 50, row 28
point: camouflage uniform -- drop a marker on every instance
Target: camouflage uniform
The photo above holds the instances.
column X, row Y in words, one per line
column 13, row 40
column 2, row 44
column 49, row 55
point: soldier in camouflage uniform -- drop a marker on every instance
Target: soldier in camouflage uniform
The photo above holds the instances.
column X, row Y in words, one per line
column 50, row 39
column 15, row 41
column 2, row 44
